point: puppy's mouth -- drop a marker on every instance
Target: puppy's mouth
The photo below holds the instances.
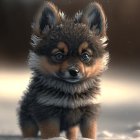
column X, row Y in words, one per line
column 69, row 79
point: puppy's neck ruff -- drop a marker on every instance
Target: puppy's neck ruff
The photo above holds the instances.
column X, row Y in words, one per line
column 63, row 94
column 69, row 88
column 66, row 102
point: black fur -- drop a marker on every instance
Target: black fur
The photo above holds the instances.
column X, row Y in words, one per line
column 73, row 100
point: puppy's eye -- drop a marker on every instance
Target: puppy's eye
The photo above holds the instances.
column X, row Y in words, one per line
column 59, row 56
column 85, row 57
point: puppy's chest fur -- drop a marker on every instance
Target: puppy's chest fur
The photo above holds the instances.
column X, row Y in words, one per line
column 55, row 92
column 48, row 98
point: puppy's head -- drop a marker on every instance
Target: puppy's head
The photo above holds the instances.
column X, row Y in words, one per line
column 69, row 49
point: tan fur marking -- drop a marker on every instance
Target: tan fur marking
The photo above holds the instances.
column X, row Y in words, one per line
column 64, row 66
column 81, row 67
column 62, row 46
column 88, row 129
column 46, row 67
column 29, row 131
column 49, row 129
column 82, row 47
column 95, row 69
column 55, row 50
column 72, row 133
column 50, row 68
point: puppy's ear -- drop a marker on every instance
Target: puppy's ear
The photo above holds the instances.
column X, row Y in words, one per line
column 94, row 17
column 46, row 18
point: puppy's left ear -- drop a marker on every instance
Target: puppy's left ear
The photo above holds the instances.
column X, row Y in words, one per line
column 46, row 18
column 94, row 17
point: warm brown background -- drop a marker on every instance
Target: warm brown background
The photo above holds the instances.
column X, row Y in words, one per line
column 123, row 29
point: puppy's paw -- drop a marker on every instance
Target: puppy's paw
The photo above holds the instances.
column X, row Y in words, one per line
column 85, row 139
column 56, row 138
column 30, row 139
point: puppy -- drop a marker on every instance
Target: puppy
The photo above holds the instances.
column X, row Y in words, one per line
column 67, row 59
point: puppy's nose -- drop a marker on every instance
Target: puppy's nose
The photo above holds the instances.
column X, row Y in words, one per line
column 73, row 71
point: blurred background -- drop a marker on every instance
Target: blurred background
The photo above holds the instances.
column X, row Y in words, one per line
column 120, row 86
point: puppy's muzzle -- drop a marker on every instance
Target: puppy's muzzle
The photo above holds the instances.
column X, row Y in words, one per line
column 71, row 75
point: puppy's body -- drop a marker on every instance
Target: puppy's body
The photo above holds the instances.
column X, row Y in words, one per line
column 48, row 103
column 67, row 60
column 45, row 102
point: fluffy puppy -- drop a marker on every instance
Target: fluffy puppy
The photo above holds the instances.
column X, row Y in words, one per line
column 67, row 59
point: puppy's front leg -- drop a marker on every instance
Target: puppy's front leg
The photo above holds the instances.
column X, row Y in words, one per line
column 49, row 128
column 72, row 133
column 88, row 128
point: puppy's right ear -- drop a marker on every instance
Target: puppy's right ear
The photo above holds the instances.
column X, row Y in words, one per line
column 47, row 17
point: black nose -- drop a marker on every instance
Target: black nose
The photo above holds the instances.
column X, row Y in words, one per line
column 73, row 72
